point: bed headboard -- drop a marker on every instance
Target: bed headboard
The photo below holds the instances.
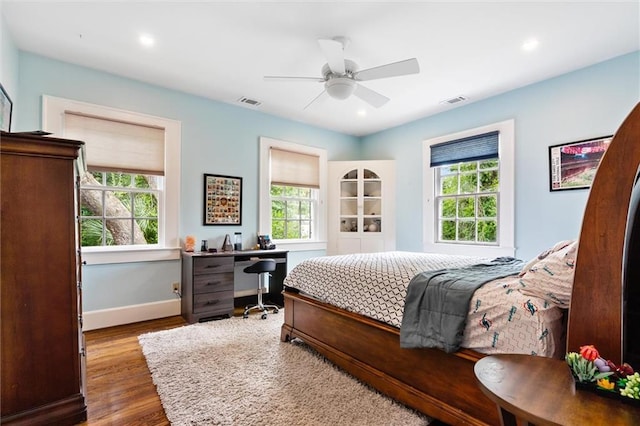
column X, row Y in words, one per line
column 596, row 314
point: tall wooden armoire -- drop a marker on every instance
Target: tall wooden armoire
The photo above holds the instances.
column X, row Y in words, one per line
column 42, row 353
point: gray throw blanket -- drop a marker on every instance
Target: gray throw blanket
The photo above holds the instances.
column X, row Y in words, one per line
column 437, row 302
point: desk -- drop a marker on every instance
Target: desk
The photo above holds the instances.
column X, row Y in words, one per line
column 214, row 283
column 541, row 391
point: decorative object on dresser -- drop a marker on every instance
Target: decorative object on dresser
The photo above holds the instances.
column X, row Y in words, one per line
column 42, row 342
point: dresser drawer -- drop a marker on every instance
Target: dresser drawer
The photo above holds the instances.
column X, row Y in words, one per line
column 220, row 302
column 207, row 265
column 213, row 282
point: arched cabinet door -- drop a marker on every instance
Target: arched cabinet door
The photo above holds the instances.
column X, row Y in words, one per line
column 361, row 207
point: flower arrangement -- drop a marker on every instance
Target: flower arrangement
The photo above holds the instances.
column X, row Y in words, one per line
column 594, row 372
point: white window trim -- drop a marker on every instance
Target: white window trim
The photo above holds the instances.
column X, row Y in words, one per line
column 320, row 240
column 53, row 110
column 506, row 149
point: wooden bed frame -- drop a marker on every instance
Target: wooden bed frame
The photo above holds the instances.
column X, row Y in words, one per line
column 442, row 385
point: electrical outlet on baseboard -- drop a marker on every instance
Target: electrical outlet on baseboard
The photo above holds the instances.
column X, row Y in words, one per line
column 175, row 287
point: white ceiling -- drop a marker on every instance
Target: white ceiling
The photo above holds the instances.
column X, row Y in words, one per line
column 221, row 50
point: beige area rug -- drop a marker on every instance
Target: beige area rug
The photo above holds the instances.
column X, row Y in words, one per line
column 237, row 372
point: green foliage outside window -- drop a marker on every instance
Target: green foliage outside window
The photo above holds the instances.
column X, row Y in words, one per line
column 291, row 212
column 468, row 202
column 118, row 209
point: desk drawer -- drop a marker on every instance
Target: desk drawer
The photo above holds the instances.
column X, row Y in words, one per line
column 220, row 302
column 213, row 282
column 208, row 265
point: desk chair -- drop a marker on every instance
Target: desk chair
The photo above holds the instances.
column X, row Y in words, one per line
column 262, row 267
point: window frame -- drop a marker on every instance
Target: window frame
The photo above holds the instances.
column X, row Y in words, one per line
column 319, row 230
column 506, row 194
column 168, row 247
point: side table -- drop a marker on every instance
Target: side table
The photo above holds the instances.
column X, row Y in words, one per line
column 537, row 390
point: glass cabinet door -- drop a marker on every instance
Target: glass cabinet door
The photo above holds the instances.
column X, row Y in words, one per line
column 360, row 201
column 372, row 201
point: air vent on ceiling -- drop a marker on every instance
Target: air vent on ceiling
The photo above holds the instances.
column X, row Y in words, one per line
column 454, row 100
column 249, row 101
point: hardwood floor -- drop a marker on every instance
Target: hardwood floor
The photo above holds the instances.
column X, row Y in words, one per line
column 119, row 387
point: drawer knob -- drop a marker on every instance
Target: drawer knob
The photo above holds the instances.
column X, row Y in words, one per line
column 212, row 302
column 213, row 283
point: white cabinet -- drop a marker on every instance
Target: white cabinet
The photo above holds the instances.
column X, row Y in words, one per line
column 361, row 207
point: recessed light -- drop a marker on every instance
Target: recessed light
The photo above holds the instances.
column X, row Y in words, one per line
column 362, row 112
column 530, row 44
column 146, row 40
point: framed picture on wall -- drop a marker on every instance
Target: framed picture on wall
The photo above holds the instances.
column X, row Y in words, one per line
column 573, row 165
column 222, row 200
column 6, row 108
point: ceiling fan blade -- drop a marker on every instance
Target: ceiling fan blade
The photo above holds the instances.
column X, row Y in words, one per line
column 333, row 50
column 408, row 66
column 371, row 97
column 288, row 78
column 315, row 99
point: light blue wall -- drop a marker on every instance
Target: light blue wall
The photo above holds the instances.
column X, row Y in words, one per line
column 587, row 103
column 8, row 62
column 216, row 138
column 221, row 138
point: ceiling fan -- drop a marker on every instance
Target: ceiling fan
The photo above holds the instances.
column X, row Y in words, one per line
column 341, row 76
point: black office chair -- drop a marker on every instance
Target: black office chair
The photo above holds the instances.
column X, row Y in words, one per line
column 262, row 267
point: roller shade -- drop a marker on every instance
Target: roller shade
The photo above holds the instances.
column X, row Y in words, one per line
column 117, row 146
column 294, row 169
column 472, row 148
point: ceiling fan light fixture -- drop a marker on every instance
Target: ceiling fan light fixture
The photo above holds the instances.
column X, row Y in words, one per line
column 340, row 87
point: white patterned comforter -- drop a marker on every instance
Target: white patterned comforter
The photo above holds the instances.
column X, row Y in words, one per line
column 500, row 318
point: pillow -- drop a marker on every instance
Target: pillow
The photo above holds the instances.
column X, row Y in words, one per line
column 551, row 278
column 558, row 246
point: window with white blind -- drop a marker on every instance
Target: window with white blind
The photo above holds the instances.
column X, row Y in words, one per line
column 469, row 203
column 121, row 193
column 292, row 193
column 129, row 193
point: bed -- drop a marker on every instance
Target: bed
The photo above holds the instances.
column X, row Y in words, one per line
column 441, row 384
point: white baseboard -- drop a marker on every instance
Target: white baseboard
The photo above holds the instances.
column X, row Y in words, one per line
column 93, row 320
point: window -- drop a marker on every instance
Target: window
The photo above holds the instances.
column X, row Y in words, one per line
column 119, row 208
column 467, row 202
column 469, row 192
column 129, row 195
column 292, row 212
column 292, row 193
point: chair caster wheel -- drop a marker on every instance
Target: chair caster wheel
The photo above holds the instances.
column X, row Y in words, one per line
column 263, row 316
column 275, row 311
column 245, row 316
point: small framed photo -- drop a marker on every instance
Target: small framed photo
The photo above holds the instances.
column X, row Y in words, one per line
column 222, row 200
column 6, row 108
column 573, row 165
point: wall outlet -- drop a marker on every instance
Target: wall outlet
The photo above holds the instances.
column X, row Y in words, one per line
column 175, row 287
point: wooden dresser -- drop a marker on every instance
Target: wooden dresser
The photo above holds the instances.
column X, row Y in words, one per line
column 42, row 347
